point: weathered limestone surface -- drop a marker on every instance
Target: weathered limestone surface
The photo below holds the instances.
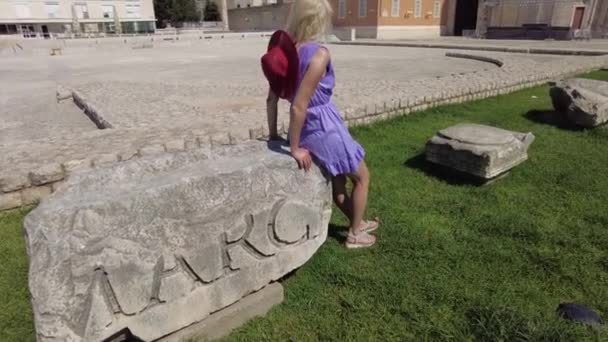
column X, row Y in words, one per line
column 479, row 150
column 158, row 243
column 584, row 101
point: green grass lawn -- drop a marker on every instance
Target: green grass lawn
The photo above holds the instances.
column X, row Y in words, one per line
column 454, row 261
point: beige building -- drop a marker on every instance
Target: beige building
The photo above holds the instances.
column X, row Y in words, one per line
column 388, row 19
column 259, row 18
column 48, row 18
column 404, row 19
column 542, row 19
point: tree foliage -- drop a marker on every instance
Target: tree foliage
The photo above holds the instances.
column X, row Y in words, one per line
column 176, row 11
column 162, row 10
column 212, row 12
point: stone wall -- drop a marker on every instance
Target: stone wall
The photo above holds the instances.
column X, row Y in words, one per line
column 537, row 19
column 263, row 18
column 518, row 13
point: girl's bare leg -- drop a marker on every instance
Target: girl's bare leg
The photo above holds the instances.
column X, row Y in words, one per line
column 358, row 198
column 341, row 198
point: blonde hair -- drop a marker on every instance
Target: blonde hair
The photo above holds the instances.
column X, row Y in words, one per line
column 309, row 19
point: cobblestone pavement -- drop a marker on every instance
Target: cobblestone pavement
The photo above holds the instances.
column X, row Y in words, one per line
column 212, row 86
column 577, row 46
column 178, row 95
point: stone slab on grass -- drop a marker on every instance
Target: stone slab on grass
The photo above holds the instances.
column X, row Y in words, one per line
column 221, row 323
column 153, row 245
column 478, row 150
column 584, row 102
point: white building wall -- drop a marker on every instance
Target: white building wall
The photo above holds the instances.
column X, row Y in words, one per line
column 36, row 12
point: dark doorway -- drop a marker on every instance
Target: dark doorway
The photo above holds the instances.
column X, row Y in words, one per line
column 466, row 16
column 579, row 13
column 45, row 32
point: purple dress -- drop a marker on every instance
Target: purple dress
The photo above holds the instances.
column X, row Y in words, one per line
column 324, row 133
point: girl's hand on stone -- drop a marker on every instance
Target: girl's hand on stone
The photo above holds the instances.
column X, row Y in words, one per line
column 302, row 157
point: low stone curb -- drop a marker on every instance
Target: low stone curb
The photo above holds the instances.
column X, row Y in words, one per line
column 90, row 109
column 18, row 190
column 67, row 45
column 543, row 51
column 491, row 60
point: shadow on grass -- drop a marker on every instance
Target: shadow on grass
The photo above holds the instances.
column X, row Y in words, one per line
column 553, row 118
column 446, row 174
column 337, row 232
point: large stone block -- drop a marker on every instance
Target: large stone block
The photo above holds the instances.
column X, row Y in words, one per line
column 478, row 150
column 156, row 244
column 583, row 101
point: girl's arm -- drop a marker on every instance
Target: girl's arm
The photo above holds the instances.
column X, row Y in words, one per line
column 316, row 70
column 272, row 111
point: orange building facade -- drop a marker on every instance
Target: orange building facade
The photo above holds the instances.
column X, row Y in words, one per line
column 389, row 19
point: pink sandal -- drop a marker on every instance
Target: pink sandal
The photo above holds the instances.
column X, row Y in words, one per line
column 371, row 226
column 361, row 240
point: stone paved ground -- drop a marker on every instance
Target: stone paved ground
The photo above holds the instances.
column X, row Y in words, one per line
column 187, row 93
column 577, row 45
column 211, row 86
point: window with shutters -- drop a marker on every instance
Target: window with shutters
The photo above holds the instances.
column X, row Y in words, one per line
column 108, row 11
column 395, row 8
column 437, row 9
column 22, row 10
column 418, row 8
column 362, row 8
column 82, row 11
column 133, row 10
column 341, row 9
column 52, row 8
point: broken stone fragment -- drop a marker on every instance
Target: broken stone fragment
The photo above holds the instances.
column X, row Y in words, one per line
column 583, row 102
column 158, row 243
column 62, row 93
column 478, row 150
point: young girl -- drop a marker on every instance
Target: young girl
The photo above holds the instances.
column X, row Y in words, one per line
column 316, row 126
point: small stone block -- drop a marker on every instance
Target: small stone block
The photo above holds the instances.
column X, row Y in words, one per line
column 478, row 150
column 57, row 185
column 203, row 140
column 220, row 139
column 63, row 93
column 13, row 182
column 176, row 145
column 47, row 174
column 240, row 136
column 75, row 165
column 105, row 159
column 584, row 102
column 10, row 200
column 285, row 127
column 33, row 195
column 128, row 154
column 152, row 150
column 358, row 113
column 190, row 144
